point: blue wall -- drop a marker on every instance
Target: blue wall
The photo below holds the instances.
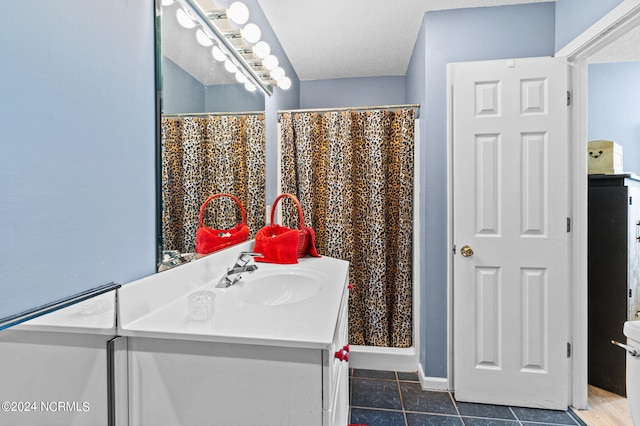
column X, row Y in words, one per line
column 77, row 94
column 457, row 36
column 180, row 91
column 614, row 108
column 232, row 97
column 348, row 92
column 573, row 17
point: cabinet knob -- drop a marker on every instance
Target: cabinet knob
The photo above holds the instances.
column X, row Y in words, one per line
column 342, row 355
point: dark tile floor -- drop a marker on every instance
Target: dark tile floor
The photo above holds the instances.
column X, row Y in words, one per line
column 389, row 398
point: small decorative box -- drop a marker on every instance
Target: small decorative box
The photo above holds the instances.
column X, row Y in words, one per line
column 605, row 157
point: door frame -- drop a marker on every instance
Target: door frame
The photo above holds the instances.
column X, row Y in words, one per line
column 609, row 28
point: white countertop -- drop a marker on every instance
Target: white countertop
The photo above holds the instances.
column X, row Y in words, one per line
column 308, row 323
column 92, row 316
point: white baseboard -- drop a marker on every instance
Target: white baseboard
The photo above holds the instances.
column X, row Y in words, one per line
column 432, row 383
column 378, row 358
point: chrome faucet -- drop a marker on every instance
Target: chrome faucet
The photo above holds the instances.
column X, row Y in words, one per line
column 240, row 267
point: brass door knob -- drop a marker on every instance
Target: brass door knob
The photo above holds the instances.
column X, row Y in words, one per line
column 466, row 251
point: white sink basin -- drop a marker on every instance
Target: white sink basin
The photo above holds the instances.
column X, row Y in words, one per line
column 274, row 288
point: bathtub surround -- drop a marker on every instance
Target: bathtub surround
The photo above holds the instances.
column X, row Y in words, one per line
column 207, row 155
column 353, row 174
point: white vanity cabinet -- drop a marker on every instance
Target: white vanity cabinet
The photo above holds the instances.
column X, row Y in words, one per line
column 54, row 368
column 177, row 382
column 248, row 365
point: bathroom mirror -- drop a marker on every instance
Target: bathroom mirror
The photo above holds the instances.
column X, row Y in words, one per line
column 208, row 126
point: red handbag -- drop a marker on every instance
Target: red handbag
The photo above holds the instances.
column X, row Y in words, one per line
column 209, row 240
column 279, row 244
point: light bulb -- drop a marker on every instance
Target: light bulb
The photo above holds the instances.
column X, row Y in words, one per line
column 167, row 2
column 249, row 87
column 277, row 74
column 238, row 12
column 241, row 78
column 261, row 49
column 270, row 62
column 184, row 19
column 218, row 54
column 203, row 38
column 230, row 66
column 284, row 83
column 251, row 33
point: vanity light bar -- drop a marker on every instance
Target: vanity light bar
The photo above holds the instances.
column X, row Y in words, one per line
column 236, row 57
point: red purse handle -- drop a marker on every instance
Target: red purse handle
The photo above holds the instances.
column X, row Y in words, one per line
column 204, row 205
column 295, row 200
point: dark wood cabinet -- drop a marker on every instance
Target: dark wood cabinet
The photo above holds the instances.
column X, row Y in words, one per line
column 614, row 274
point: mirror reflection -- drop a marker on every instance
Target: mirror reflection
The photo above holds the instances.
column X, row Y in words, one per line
column 212, row 140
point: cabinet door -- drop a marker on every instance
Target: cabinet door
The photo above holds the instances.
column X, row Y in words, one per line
column 634, row 254
column 608, row 292
column 335, row 400
column 179, row 383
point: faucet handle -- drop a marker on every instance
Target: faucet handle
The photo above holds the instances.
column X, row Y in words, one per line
column 246, row 256
column 251, row 253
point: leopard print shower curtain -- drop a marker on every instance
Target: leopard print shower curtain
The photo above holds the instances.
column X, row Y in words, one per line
column 353, row 174
column 202, row 156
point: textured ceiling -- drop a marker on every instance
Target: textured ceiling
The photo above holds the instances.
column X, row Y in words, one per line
column 354, row 38
column 625, row 49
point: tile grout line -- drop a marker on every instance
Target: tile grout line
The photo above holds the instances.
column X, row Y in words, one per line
column 455, row 405
column 516, row 416
column 404, row 413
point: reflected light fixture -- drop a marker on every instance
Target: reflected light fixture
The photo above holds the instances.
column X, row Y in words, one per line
column 251, row 33
column 270, row 62
column 238, row 12
column 261, row 49
column 203, row 38
column 184, row 19
column 242, row 51
column 277, row 74
column 241, row 78
column 218, row 54
column 284, row 83
column 230, row 66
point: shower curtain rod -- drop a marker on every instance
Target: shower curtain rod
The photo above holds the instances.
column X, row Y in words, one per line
column 206, row 114
column 358, row 108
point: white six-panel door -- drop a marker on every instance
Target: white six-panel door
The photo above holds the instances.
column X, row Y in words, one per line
column 510, row 267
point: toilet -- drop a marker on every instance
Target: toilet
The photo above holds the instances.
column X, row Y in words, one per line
column 632, row 331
